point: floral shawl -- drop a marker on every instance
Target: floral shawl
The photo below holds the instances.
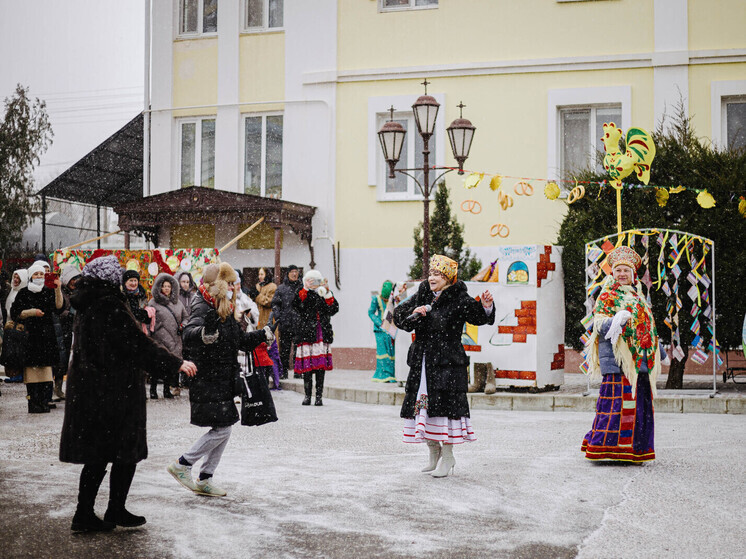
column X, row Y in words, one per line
column 639, row 338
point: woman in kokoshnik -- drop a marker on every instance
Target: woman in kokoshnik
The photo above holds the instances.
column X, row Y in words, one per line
column 624, row 349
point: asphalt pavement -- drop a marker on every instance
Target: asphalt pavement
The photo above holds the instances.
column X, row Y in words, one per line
column 337, row 482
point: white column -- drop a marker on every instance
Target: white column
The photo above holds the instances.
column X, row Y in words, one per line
column 671, row 57
column 227, row 144
column 162, row 160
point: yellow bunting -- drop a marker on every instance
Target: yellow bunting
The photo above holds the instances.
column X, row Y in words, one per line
column 496, row 182
column 473, row 180
column 705, row 200
column 661, row 196
column 676, row 189
column 500, row 230
column 471, row 206
column 505, row 200
column 742, row 207
column 552, row 191
column 523, row 189
column 576, row 194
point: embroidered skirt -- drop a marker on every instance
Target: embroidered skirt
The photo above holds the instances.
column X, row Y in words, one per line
column 384, row 358
column 442, row 429
column 623, row 429
column 313, row 356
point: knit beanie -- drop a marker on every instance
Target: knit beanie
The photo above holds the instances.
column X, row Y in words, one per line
column 34, row 268
column 105, row 268
column 129, row 274
column 315, row 276
column 69, row 273
column 386, row 289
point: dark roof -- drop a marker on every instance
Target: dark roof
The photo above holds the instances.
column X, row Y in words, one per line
column 111, row 174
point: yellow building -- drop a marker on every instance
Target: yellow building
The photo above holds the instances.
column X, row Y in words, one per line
column 283, row 99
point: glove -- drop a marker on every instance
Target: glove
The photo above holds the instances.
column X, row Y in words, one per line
column 615, row 330
column 322, row 291
column 270, row 335
column 211, row 322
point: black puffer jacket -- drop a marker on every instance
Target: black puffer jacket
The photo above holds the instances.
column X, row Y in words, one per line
column 438, row 339
column 105, row 406
column 213, row 388
column 310, row 306
column 43, row 347
column 282, row 305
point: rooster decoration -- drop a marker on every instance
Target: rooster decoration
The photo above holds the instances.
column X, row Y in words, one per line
column 637, row 158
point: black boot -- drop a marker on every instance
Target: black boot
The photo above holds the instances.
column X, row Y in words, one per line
column 319, row 387
column 35, row 397
column 85, row 519
column 307, row 387
column 167, row 391
column 153, row 391
column 119, row 487
column 48, row 394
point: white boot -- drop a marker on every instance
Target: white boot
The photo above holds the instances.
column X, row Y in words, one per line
column 447, row 462
column 434, row 448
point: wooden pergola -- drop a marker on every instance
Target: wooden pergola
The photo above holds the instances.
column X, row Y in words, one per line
column 206, row 206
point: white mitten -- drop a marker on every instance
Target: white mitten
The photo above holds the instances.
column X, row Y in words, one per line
column 665, row 357
column 322, row 291
column 270, row 335
column 619, row 320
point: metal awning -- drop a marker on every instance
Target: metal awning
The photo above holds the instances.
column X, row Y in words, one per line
column 110, row 175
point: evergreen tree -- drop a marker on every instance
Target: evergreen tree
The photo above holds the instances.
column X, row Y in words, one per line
column 25, row 134
column 681, row 159
column 446, row 238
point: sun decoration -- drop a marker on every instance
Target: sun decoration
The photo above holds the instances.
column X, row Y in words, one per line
column 552, row 191
column 661, row 196
column 495, row 182
column 705, row 200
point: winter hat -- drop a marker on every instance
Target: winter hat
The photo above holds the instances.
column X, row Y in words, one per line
column 314, row 276
column 445, row 266
column 105, row 268
column 23, row 274
column 624, row 255
column 35, row 267
column 386, row 289
column 216, row 278
column 129, row 274
column 69, row 273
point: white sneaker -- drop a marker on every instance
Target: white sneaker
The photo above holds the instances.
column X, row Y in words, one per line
column 182, row 474
column 206, row 487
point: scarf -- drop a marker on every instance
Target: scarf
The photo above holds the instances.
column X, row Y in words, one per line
column 638, row 342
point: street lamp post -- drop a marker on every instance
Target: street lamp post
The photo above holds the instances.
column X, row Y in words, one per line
column 391, row 136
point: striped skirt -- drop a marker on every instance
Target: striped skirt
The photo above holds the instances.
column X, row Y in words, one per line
column 442, row 429
column 313, row 356
column 623, row 429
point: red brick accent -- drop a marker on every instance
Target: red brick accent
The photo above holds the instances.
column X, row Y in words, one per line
column 558, row 359
column 526, row 322
column 524, row 375
column 544, row 266
column 519, row 338
column 528, row 305
column 505, row 329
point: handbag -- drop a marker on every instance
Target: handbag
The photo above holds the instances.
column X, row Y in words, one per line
column 257, row 406
column 15, row 343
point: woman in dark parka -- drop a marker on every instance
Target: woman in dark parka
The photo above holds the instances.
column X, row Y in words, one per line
column 105, row 409
column 213, row 338
column 435, row 407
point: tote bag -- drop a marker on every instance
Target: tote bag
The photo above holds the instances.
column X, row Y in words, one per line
column 257, row 406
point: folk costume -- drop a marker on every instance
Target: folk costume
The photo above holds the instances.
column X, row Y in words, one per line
column 624, row 350
column 435, row 408
column 384, row 343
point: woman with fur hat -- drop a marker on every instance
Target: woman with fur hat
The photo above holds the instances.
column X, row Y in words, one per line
column 17, row 282
column 623, row 349
column 170, row 317
column 34, row 306
column 435, row 408
column 213, row 339
column 265, row 292
column 105, row 409
column 315, row 305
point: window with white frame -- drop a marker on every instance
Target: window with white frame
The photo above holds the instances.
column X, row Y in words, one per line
column 197, row 152
column 263, row 155
column 261, row 15
column 734, row 115
column 403, row 187
column 198, row 17
column 580, row 132
column 390, row 5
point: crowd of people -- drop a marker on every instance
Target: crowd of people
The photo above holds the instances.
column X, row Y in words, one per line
column 97, row 327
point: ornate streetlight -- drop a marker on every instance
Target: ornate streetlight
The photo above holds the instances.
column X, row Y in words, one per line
column 391, row 136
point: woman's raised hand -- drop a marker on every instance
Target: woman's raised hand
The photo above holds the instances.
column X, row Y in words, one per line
column 487, row 299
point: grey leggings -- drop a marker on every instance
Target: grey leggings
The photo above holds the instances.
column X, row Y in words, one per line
column 209, row 446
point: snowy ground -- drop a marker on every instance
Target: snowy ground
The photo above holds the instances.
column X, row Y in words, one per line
column 336, row 482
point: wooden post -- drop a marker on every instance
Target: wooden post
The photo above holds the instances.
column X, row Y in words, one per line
column 278, row 236
column 90, row 240
column 246, row 231
column 126, row 240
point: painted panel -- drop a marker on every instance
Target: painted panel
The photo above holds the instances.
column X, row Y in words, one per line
column 700, row 92
column 262, row 67
column 720, row 27
column 192, row 236
column 195, row 72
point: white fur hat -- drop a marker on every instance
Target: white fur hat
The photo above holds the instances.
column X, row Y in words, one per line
column 313, row 275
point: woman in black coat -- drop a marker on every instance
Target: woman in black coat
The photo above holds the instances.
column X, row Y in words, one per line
column 213, row 338
column 435, row 407
column 35, row 307
column 315, row 306
column 105, row 409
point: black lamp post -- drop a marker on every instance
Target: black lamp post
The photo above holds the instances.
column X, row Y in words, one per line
column 391, row 136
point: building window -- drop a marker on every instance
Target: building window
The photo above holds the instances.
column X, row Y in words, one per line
column 734, row 113
column 263, row 14
column 263, row 155
column 581, row 130
column 404, row 187
column 197, row 154
column 391, row 5
column 198, row 16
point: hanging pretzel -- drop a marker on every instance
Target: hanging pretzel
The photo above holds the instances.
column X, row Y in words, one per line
column 500, row 230
column 505, row 200
column 523, row 189
column 471, row 206
column 575, row 194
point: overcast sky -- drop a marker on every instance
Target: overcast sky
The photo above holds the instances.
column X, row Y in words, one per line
column 84, row 58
